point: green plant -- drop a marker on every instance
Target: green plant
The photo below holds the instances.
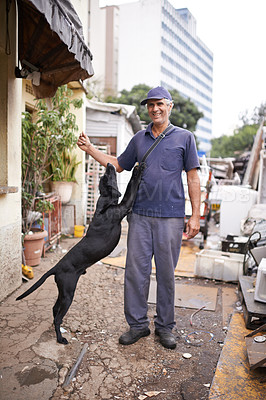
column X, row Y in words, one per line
column 45, row 137
column 65, row 168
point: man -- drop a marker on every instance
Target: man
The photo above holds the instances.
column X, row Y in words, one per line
column 157, row 221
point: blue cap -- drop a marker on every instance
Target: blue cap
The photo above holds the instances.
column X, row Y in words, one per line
column 157, row 93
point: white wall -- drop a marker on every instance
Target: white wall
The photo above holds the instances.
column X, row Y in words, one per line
column 10, row 144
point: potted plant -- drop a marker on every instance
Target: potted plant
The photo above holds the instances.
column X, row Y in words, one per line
column 46, row 135
column 63, row 175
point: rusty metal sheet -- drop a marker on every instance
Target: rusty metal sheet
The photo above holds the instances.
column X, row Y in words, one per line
column 233, row 378
column 256, row 352
column 256, row 347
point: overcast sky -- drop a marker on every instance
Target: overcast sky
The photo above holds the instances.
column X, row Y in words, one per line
column 235, row 31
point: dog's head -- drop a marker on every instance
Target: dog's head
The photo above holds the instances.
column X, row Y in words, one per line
column 108, row 183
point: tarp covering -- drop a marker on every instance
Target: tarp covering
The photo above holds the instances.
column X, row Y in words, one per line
column 52, row 51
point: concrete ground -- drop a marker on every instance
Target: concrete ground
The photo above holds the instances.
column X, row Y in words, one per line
column 34, row 366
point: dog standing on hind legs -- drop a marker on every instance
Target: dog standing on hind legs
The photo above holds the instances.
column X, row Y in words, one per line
column 100, row 240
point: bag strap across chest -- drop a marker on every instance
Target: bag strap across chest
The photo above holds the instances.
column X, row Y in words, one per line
column 157, row 141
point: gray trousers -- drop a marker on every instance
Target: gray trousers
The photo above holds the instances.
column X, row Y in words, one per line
column 148, row 236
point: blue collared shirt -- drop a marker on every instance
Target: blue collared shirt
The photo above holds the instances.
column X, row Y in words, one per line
column 161, row 192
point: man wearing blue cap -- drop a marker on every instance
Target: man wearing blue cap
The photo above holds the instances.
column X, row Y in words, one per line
column 156, row 223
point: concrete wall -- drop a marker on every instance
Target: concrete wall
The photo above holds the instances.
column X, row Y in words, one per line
column 10, row 159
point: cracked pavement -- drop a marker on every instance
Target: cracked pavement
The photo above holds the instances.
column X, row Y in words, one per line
column 33, row 365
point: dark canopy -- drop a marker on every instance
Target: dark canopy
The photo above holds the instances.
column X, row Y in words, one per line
column 52, row 51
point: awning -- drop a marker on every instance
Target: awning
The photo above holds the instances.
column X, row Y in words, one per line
column 52, row 51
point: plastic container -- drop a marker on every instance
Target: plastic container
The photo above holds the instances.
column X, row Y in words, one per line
column 260, row 288
column 79, row 230
column 218, row 265
column 235, row 204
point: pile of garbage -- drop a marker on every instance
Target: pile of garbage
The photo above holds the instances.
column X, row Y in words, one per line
column 235, row 191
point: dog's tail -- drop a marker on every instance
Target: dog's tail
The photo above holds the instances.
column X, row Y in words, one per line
column 38, row 283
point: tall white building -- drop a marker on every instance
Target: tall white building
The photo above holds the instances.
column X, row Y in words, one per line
column 103, row 43
column 158, row 45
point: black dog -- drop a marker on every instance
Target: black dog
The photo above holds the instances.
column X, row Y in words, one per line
column 101, row 238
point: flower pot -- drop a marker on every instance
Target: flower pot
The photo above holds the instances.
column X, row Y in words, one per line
column 33, row 246
column 63, row 189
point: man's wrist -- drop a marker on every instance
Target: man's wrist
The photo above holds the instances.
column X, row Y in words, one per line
column 195, row 216
column 90, row 149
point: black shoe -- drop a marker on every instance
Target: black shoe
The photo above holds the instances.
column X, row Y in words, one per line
column 133, row 335
column 167, row 338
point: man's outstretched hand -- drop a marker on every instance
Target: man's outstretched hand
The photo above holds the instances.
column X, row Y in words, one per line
column 84, row 142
